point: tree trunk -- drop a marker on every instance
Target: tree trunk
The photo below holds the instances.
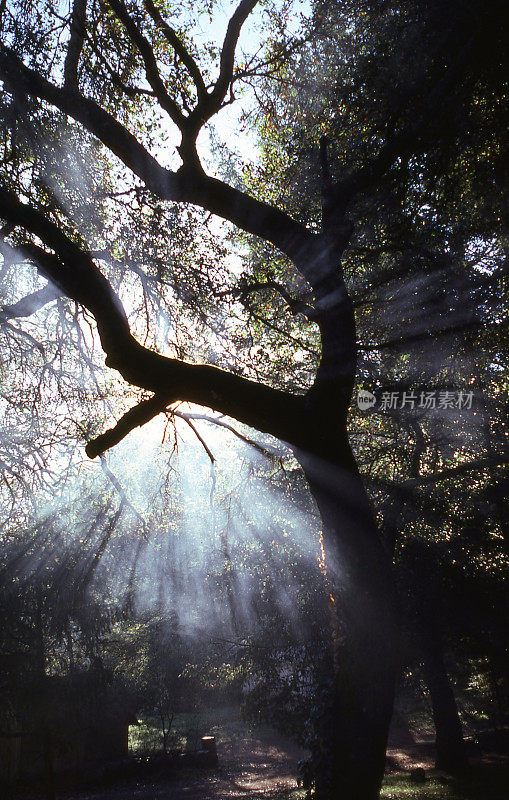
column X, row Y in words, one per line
column 352, row 740
column 450, row 747
column 426, row 610
column 44, row 728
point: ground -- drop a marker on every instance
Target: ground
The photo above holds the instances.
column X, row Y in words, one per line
column 261, row 763
column 259, row 768
column 263, row 766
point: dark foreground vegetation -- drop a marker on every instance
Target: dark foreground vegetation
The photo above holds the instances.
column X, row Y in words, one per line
column 273, row 237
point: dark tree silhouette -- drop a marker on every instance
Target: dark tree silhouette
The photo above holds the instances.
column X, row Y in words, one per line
column 312, row 424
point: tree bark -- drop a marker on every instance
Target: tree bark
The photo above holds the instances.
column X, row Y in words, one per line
column 352, row 740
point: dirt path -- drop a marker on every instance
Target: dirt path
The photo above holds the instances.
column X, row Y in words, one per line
column 408, row 749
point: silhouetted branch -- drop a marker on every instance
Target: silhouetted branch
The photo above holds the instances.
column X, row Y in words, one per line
column 200, row 438
column 188, row 184
column 73, row 270
column 213, row 101
column 31, row 303
column 134, row 418
column 123, row 496
column 176, row 43
column 295, row 306
column 166, row 102
column 265, row 451
column 75, row 46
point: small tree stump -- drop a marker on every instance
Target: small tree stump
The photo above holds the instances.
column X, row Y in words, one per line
column 208, row 743
column 418, row 775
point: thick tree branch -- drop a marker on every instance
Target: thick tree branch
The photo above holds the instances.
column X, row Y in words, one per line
column 72, row 269
column 31, row 303
column 134, row 418
column 213, row 101
column 75, row 46
column 95, row 119
column 188, row 184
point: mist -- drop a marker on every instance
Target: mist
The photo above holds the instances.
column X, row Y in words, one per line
column 213, row 546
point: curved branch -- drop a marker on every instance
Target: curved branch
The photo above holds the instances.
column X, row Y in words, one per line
column 31, row 303
column 96, row 120
column 174, row 41
column 76, row 41
column 72, row 269
column 264, row 450
column 188, row 184
column 214, row 100
column 151, row 69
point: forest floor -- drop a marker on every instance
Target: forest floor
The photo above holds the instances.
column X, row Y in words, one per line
column 260, row 763
column 266, row 767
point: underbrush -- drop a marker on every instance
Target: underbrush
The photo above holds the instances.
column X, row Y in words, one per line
column 486, row 782
column 224, row 722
